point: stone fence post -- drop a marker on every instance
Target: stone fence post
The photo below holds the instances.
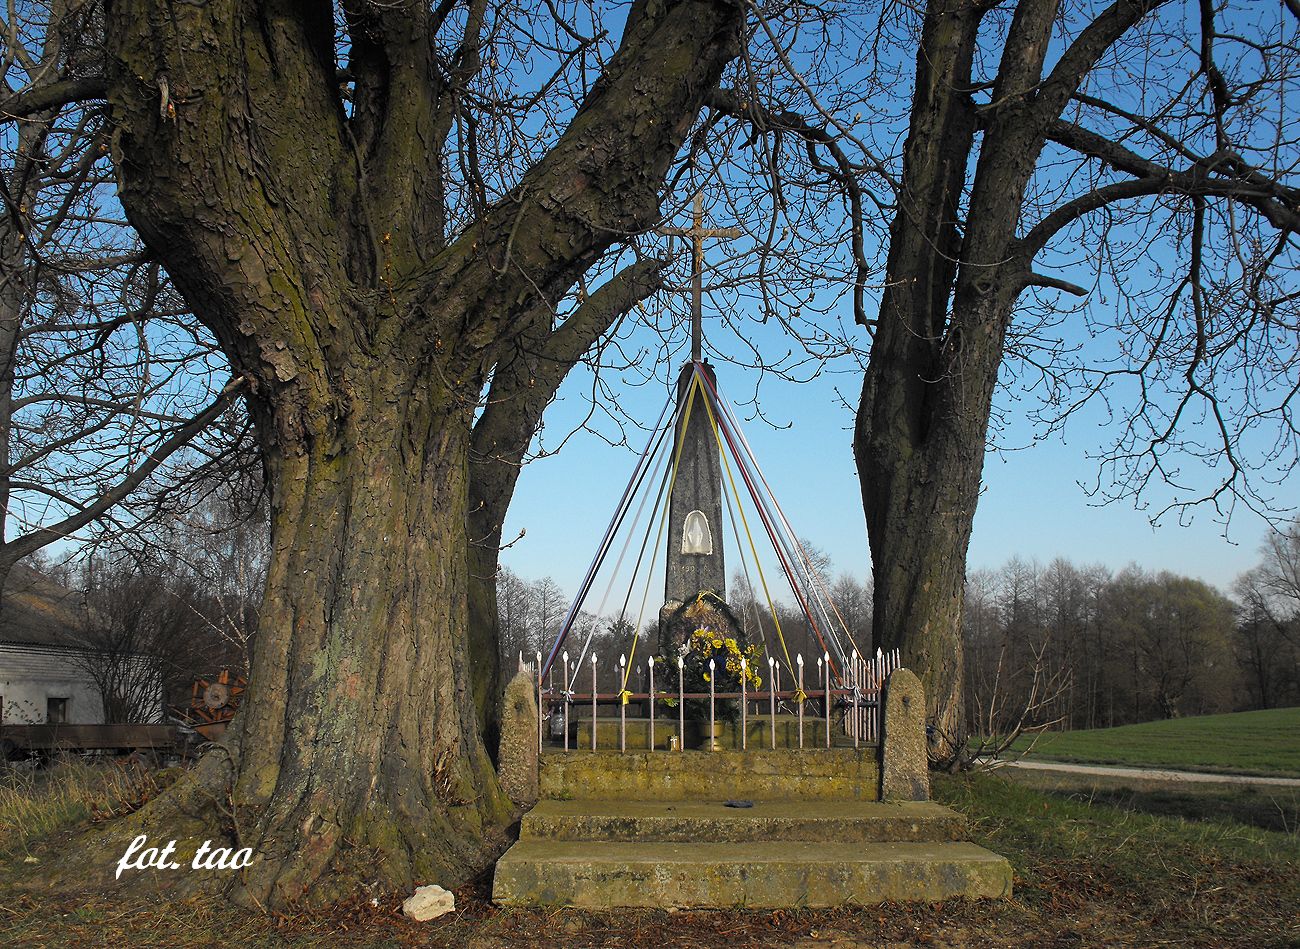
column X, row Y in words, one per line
column 517, row 759
column 904, row 756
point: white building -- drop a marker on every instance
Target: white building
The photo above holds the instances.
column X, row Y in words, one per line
column 45, row 675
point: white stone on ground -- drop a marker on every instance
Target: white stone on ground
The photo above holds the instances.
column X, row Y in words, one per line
column 429, row 902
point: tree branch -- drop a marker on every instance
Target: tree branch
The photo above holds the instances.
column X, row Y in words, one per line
column 1054, row 283
column 20, row 547
column 1082, row 55
column 763, row 119
column 1037, row 238
column 52, row 95
column 525, row 383
column 597, row 186
column 1279, row 204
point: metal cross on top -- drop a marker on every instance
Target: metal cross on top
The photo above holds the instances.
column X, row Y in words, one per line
column 697, row 234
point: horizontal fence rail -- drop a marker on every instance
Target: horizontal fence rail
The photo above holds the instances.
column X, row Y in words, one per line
column 852, row 701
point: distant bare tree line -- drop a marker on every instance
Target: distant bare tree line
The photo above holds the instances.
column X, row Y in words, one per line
column 532, row 612
column 1060, row 645
column 1130, row 646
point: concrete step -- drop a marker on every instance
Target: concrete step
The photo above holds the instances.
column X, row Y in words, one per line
column 756, row 874
column 842, row 774
column 711, row 821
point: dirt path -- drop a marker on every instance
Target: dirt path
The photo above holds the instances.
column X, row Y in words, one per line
column 1152, row 774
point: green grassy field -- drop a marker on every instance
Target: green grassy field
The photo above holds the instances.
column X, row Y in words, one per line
column 1265, row 743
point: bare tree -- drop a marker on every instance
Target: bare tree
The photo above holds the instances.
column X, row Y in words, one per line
column 1268, row 627
column 1016, row 678
column 1026, row 139
column 368, row 210
column 214, row 541
column 1017, row 700
column 1079, row 648
column 108, row 391
column 1274, row 585
column 514, row 606
column 502, row 229
column 852, row 598
column 137, row 639
column 1268, row 657
column 985, row 207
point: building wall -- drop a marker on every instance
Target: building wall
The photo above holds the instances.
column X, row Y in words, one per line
column 30, row 675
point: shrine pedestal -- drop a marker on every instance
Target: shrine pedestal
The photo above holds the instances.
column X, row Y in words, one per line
column 759, row 734
column 654, row 829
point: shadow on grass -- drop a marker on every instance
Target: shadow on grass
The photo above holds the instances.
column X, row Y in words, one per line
column 1274, row 810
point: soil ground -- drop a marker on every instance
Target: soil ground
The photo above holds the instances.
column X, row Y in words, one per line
column 1120, row 868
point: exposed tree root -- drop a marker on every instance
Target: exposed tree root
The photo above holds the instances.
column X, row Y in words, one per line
column 379, row 854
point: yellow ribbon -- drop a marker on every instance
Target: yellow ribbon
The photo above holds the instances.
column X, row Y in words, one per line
column 672, row 480
column 717, row 436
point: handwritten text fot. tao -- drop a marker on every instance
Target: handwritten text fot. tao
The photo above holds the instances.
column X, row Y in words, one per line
column 140, row 857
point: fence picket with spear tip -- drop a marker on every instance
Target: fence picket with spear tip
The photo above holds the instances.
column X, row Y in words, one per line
column 859, row 694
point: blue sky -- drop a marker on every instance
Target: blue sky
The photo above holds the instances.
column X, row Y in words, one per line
column 1032, row 504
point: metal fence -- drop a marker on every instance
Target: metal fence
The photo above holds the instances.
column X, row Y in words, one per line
column 844, row 698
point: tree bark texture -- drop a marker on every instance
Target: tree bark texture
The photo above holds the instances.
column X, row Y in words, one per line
column 953, row 276
column 313, row 244
column 523, row 385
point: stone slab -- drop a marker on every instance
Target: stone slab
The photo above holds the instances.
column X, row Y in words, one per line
column 757, row 875
column 687, row 821
column 758, row 733
column 844, row 774
column 518, row 751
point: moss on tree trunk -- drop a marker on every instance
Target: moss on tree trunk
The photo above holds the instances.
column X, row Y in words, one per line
column 314, row 242
column 361, row 743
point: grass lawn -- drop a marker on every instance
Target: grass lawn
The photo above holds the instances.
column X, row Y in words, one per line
column 1088, row 873
column 1265, row 742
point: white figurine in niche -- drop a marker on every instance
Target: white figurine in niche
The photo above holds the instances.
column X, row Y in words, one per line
column 696, row 537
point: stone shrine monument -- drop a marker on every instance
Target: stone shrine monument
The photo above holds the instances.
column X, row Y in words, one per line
column 695, row 570
column 695, row 561
column 789, row 809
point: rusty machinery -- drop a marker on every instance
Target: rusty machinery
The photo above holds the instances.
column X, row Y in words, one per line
column 213, row 704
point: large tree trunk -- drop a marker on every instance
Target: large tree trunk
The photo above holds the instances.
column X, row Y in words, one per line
column 360, row 741
column 927, row 394
column 919, row 476
column 312, row 242
column 920, row 498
